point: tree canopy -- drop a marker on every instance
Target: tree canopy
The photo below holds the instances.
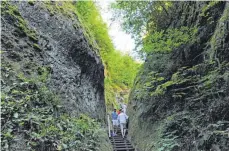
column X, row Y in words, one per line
column 120, row 69
column 149, row 24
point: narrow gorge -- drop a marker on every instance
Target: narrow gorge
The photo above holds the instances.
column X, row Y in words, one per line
column 62, row 75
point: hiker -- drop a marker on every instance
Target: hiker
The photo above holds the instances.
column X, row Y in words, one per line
column 114, row 116
column 122, row 118
column 119, row 111
column 120, row 105
column 124, row 108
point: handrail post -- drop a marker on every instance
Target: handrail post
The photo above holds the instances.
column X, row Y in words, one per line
column 109, row 128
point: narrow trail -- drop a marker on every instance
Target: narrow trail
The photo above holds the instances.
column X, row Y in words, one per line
column 120, row 144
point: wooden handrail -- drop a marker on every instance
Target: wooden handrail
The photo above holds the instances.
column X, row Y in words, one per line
column 109, row 128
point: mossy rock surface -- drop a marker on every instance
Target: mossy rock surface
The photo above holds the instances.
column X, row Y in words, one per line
column 45, row 87
column 180, row 100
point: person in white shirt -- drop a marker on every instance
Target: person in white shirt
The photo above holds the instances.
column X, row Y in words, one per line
column 124, row 108
column 122, row 117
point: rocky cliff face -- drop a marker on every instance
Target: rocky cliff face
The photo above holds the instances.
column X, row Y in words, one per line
column 33, row 35
column 47, row 58
column 180, row 100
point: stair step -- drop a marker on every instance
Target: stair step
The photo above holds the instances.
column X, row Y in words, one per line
column 123, row 146
column 121, row 140
column 122, row 143
column 117, row 138
column 124, row 149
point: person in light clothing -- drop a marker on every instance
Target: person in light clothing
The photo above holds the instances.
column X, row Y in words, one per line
column 124, row 108
column 114, row 116
column 122, row 118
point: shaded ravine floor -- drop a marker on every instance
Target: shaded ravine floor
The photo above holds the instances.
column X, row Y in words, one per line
column 120, row 144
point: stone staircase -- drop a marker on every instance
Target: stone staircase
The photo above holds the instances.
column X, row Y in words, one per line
column 121, row 144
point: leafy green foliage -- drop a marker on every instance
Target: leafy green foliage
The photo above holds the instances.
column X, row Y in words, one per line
column 167, row 144
column 31, row 110
column 149, row 22
column 120, row 70
column 141, row 18
column 92, row 19
column 166, row 41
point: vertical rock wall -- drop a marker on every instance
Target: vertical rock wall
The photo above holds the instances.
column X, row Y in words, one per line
column 34, row 36
column 180, row 100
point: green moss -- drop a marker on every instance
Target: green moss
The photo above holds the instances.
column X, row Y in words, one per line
column 21, row 24
column 31, row 2
column 69, row 9
column 161, row 89
column 43, row 73
column 226, row 76
column 15, row 92
column 40, row 76
column 208, row 84
column 63, row 7
column 206, row 8
column 36, row 46
column 176, row 79
column 209, row 79
column 9, row 9
column 160, row 79
column 30, row 33
column 147, row 84
column 175, row 76
column 35, row 116
column 166, row 41
column 225, row 15
column 170, row 118
column 35, row 112
column 218, row 36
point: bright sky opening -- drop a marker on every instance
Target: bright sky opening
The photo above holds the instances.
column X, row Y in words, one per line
column 122, row 41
